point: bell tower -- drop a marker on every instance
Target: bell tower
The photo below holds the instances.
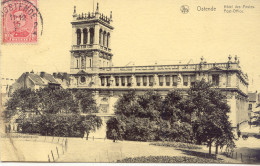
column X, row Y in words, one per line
column 91, row 41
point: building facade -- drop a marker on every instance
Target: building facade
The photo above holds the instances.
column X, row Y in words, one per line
column 91, row 69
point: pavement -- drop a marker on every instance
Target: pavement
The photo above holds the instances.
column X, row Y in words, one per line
column 20, row 148
column 81, row 150
column 41, row 148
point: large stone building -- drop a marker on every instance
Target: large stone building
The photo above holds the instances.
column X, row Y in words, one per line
column 91, row 69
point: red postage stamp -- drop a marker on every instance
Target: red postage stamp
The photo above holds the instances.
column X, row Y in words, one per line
column 19, row 21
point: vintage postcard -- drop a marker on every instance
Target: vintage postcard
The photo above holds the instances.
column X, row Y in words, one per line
column 131, row 81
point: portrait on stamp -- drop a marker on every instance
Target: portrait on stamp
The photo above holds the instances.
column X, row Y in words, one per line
column 19, row 21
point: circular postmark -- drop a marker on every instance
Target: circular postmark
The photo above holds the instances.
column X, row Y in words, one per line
column 185, row 9
column 20, row 21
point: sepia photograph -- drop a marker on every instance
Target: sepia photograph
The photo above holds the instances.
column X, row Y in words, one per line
column 130, row 81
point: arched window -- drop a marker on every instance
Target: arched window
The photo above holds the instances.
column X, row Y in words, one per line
column 104, row 38
column 85, row 36
column 78, row 36
column 91, row 31
column 108, row 40
column 100, row 36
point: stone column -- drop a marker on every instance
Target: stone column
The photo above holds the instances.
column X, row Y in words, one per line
column 171, row 80
column 112, row 81
column 88, row 42
column 164, row 80
column 96, row 34
column 188, row 80
column 98, row 81
column 133, row 81
column 141, row 80
column 156, row 80
column 82, row 36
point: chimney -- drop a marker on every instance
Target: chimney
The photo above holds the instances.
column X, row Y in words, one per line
column 42, row 74
column 54, row 75
column 65, row 76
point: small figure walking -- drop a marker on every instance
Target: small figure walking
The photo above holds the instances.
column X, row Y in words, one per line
column 114, row 134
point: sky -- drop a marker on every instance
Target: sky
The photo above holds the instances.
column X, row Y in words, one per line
column 146, row 31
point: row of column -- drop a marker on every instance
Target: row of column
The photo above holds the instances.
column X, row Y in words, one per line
column 84, row 36
column 88, row 36
column 104, row 39
column 150, row 80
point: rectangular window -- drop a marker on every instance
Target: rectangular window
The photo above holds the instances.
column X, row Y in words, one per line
column 117, row 81
column 185, row 80
column 229, row 80
column 145, row 80
column 77, row 62
column 102, row 81
column 167, row 78
column 250, row 107
column 108, row 81
column 215, row 79
column 174, row 78
column 129, row 79
column 151, row 80
column 123, row 81
column 192, row 80
column 161, row 80
column 138, row 80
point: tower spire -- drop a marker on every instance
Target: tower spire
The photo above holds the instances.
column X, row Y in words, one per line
column 93, row 7
column 110, row 15
column 74, row 13
column 97, row 10
column 74, row 10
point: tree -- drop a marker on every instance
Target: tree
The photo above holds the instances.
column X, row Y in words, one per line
column 209, row 109
column 90, row 123
column 86, row 101
column 175, row 126
column 137, row 117
column 23, row 98
column 115, row 127
column 57, row 101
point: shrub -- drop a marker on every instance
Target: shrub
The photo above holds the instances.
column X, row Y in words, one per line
column 176, row 145
column 168, row 159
